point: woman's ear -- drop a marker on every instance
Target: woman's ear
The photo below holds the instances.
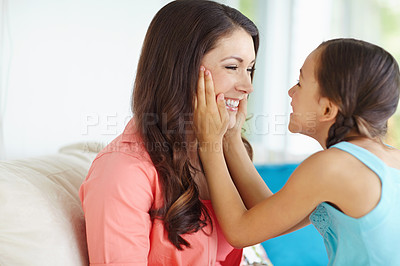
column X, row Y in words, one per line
column 329, row 110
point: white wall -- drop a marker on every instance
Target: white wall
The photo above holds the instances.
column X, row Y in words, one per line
column 290, row 30
column 67, row 70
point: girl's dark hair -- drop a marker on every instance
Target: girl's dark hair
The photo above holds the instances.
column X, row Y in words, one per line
column 364, row 81
column 179, row 36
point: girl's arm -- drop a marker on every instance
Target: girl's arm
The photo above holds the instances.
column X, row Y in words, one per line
column 251, row 186
column 273, row 215
column 303, row 223
column 278, row 214
column 248, row 181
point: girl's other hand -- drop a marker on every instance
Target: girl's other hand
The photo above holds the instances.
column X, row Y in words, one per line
column 210, row 115
column 236, row 131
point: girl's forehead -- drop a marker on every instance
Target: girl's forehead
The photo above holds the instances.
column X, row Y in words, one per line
column 310, row 64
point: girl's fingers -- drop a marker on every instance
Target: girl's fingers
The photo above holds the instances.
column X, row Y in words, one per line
column 243, row 105
column 201, row 98
column 210, row 118
column 222, row 108
column 242, row 113
column 209, row 90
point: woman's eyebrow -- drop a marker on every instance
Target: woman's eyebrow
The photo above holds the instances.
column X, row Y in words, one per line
column 238, row 58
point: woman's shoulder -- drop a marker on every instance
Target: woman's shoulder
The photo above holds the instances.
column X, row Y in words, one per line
column 115, row 174
column 123, row 162
column 134, row 151
column 129, row 146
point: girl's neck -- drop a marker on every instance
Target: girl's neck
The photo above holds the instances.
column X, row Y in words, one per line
column 361, row 140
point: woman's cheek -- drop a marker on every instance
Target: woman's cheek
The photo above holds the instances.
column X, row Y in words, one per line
column 220, row 83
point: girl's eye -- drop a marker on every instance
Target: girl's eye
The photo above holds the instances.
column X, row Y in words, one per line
column 232, row 67
column 298, row 83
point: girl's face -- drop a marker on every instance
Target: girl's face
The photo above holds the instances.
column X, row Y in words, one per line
column 305, row 99
column 231, row 63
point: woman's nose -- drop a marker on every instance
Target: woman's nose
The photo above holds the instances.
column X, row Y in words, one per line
column 245, row 85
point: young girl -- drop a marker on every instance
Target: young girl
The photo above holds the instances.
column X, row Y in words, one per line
column 350, row 191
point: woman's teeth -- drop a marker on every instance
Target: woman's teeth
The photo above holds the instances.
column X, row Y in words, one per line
column 232, row 103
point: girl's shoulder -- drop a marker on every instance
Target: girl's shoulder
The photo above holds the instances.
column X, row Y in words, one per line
column 327, row 162
column 331, row 169
column 320, row 178
column 343, row 180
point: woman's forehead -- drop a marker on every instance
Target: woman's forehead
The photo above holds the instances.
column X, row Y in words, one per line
column 237, row 44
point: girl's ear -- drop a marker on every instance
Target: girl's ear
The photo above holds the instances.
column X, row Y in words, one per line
column 329, row 110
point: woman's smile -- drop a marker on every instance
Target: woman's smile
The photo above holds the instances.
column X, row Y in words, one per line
column 232, row 104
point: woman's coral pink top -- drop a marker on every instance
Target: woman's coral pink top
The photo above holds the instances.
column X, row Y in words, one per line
column 122, row 186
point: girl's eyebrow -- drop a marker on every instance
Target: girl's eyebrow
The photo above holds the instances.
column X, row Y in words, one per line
column 236, row 58
column 301, row 74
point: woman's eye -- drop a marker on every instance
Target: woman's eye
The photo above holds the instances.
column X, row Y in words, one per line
column 298, row 83
column 231, row 67
column 251, row 69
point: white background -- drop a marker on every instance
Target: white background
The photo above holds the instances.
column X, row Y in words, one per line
column 67, row 68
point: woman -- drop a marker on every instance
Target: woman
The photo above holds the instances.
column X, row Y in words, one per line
column 145, row 198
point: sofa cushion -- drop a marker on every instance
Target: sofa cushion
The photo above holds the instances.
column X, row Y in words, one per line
column 41, row 219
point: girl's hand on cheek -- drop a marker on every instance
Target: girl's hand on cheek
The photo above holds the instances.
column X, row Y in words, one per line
column 210, row 115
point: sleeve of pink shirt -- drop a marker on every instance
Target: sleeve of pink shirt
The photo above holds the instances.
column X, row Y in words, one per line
column 116, row 198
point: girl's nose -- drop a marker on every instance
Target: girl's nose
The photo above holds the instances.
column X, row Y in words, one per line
column 291, row 91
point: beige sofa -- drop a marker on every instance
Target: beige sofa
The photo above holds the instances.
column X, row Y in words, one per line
column 41, row 219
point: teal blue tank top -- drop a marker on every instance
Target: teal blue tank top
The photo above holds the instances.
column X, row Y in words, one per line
column 373, row 239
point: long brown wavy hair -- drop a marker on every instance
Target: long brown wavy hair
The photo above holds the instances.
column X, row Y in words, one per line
column 179, row 36
column 364, row 81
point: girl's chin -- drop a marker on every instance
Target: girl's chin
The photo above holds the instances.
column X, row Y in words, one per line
column 294, row 127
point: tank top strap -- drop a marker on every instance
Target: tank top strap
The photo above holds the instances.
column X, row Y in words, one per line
column 365, row 156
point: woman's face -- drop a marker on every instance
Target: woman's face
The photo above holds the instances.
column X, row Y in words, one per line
column 231, row 63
